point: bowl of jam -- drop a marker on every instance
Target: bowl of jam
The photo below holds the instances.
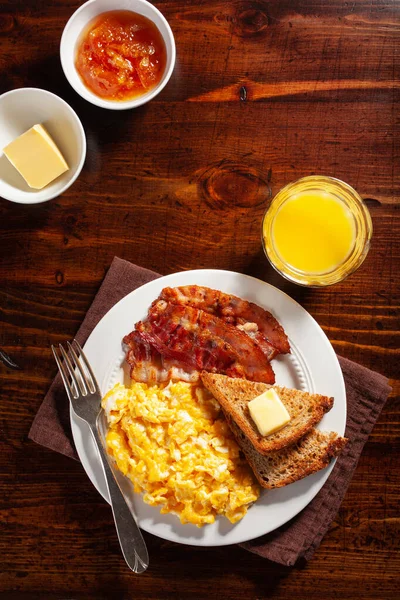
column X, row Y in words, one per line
column 117, row 54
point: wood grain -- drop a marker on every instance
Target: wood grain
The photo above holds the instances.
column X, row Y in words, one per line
column 262, row 93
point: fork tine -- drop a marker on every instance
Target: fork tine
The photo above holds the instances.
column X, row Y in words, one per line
column 68, row 387
column 70, row 368
column 85, row 388
column 87, row 366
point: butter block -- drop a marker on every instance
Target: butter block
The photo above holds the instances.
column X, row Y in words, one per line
column 268, row 412
column 37, row 158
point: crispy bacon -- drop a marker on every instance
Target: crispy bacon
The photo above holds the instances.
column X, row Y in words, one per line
column 203, row 341
column 193, row 328
column 149, row 366
column 256, row 322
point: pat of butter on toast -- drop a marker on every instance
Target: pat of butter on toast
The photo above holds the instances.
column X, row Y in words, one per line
column 268, row 412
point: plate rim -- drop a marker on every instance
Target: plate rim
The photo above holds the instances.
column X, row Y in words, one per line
column 338, row 376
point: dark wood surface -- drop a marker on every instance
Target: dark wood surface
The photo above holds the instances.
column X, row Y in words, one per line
column 262, row 93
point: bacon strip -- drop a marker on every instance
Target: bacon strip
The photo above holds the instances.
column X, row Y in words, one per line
column 256, row 322
column 204, row 342
column 149, row 366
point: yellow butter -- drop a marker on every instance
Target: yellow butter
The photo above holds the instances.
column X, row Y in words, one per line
column 268, row 412
column 37, row 158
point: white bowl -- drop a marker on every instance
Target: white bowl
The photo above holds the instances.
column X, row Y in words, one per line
column 80, row 20
column 22, row 108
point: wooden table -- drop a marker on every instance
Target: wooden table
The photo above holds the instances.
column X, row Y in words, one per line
column 262, row 93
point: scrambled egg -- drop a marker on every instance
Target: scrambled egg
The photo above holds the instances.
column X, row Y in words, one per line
column 175, row 446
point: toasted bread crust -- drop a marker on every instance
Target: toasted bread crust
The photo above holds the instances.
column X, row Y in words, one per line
column 310, row 454
column 234, row 394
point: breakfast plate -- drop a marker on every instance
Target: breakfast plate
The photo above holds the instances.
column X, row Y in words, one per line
column 312, row 366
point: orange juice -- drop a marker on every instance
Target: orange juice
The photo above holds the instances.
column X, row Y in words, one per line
column 316, row 231
column 313, row 232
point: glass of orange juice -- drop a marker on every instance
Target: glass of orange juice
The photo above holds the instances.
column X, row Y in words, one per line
column 316, row 231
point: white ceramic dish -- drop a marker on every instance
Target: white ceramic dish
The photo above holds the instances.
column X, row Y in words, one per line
column 22, row 108
column 312, row 366
column 80, row 20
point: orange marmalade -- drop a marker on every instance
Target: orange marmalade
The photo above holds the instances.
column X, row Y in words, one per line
column 121, row 55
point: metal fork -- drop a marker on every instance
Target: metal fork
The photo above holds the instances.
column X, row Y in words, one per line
column 85, row 397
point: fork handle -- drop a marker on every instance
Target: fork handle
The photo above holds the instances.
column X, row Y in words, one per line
column 130, row 537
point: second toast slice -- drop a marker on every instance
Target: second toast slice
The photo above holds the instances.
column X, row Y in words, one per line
column 305, row 410
column 311, row 453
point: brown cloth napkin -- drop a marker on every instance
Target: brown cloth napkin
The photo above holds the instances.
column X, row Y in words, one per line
column 367, row 392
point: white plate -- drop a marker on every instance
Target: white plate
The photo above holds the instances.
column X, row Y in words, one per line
column 311, row 366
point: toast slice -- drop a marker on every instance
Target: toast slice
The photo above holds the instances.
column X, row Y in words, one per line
column 308, row 455
column 306, row 410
